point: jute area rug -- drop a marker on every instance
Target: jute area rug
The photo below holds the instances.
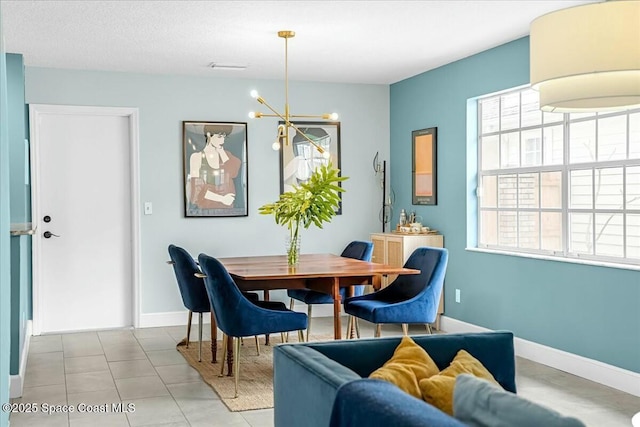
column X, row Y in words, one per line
column 255, row 388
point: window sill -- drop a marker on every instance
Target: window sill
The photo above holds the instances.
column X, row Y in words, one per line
column 558, row 259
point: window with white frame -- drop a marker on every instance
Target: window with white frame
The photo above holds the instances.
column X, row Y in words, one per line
column 566, row 185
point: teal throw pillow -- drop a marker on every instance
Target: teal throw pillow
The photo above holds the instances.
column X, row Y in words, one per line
column 478, row 403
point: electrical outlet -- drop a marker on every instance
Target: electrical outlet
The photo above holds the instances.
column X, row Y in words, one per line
column 457, row 295
column 148, row 208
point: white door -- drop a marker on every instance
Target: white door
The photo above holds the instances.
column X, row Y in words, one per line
column 82, row 187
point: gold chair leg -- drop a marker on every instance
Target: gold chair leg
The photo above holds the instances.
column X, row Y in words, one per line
column 428, row 326
column 349, row 327
column 189, row 327
column 405, row 329
column 283, row 337
column 309, row 309
column 199, row 337
column 236, row 367
column 300, row 335
column 355, row 319
column 224, row 354
column 257, row 345
column 378, row 330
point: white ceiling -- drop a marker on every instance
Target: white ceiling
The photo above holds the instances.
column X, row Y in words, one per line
column 336, row 41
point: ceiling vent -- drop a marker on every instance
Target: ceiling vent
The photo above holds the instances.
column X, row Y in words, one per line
column 232, row 67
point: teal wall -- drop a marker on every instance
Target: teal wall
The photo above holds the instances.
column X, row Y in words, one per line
column 20, row 205
column 5, row 278
column 165, row 101
column 582, row 309
column 18, row 150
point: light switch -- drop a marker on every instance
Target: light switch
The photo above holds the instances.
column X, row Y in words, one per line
column 148, row 208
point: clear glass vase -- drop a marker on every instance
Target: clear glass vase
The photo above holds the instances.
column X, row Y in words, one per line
column 292, row 246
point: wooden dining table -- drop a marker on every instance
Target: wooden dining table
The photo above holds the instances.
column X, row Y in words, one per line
column 320, row 272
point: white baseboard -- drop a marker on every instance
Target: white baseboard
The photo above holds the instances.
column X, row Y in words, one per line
column 16, row 382
column 609, row 375
column 171, row 318
column 179, row 318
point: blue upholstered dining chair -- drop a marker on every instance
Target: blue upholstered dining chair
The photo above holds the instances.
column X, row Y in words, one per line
column 194, row 295
column 237, row 317
column 358, row 250
column 411, row 298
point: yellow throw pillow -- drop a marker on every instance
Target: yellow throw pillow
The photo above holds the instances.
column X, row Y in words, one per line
column 409, row 364
column 438, row 389
column 400, row 375
column 465, row 362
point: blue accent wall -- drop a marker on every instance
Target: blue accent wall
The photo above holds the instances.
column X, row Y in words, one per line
column 5, row 279
column 587, row 310
column 20, row 205
column 18, row 150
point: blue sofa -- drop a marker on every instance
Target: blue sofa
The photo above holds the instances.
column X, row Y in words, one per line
column 308, row 376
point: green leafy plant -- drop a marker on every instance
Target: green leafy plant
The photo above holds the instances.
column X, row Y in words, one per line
column 313, row 202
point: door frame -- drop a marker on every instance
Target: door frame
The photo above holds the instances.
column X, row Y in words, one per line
column 36, row 111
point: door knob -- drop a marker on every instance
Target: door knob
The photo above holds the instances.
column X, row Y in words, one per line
column 48, row 235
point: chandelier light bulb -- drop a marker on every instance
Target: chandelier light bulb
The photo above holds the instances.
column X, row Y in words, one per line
column 254, row 94
column 326, row 155
column 252, row 114
column 276, row 146
column 333, row 116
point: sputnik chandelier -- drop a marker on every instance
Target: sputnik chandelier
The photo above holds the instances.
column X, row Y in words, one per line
column 283, row 129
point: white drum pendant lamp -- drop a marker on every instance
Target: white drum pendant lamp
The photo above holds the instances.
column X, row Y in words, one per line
column 587, row 58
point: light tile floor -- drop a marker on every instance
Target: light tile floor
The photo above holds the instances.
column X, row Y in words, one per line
column 142, row 367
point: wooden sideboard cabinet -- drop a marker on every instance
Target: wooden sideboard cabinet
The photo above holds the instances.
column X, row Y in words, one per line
column 395, row 248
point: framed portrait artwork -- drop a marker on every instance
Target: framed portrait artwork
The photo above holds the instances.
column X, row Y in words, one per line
column 215, row 169
column 424, row 171
column 299, row 158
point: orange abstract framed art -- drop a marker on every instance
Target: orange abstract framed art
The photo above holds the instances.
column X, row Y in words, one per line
column 424, row 166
